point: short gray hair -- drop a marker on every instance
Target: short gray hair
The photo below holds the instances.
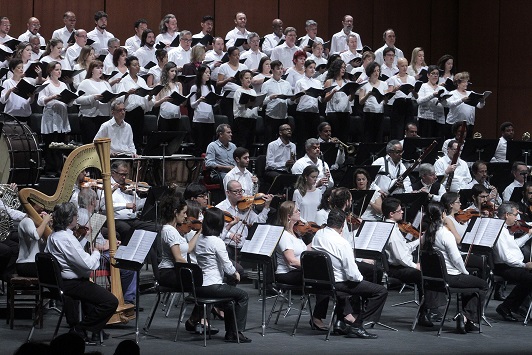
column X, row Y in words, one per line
column 221, row 129
column 184, row 33
column 310, row 142
column 252, row 35
column 63, row 215
column 309, row 23
column 506, row 207
column 391, row 144
column 86, row 197
column 426, row 169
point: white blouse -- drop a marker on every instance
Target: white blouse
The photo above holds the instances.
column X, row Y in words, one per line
column 202, row 111
column 288, row 242
column 89, row 106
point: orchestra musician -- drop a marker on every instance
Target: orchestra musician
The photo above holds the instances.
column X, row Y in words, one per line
column 240, row 172
column 307, row 195
column 312, row 147
column 428, row 182
column 280, row 154
column 520, row 172
column 480, row 176
column 324, row 136
column 460, row 170
column 392, row 168
column 507, row 134
column 118, row 130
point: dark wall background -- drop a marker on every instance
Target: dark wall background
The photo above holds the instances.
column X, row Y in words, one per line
column 487, row 38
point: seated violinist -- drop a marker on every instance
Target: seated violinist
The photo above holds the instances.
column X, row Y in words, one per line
column 240, row 172
column 479, row 169
column 392, row 168
column 235, row 232
column 119, row 131
column 481, row 201
column 400, row 260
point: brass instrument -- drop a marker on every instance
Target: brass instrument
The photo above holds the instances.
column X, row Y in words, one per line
column 9, row 196
column 349, row 148
column 6, row 224
column 526, row 136
column 477, row 135
column 90, row 155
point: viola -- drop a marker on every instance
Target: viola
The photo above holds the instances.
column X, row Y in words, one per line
column 130, row 186
column 228, row 217
column 408, row 228
column 191, row 224
column 519, row 227
column 88, row 182
column 302, row 228
column 488, row 208
column 464, row 216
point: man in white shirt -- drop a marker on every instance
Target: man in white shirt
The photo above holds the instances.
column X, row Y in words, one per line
column 324, row 136
column 112, row 45
column 510, row 264
column 507, row 134
column 238, row 32
column 461, row 176
column 311, row 27
column 428, row 182
column 69, row 19
column 312, row 147
column 215, row 55
column 285, row 52
column 5, row 26
column 339, row 40
column 389, row 41
column 72, row 53
column 479, row 169
column 33, row 29
column 36, row 50
column 272, row 40
column 99, row 35
column 207, row 25
column 181, row 54
column 348, row 279
column 248, row 181
column 388, row 68
column 280, row 154
column 119, row 131
column 391, row 169
column 520, row 172
column 133, row 43
column 253, row 55
column 351, row 57
column 146, row 52
column 167, row 30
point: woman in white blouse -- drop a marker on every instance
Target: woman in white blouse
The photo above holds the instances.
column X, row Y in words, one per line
column 306, row 195
column 373, row 109
column 86, row 56
column 24, row 53
column 54, row 123
column 451, row 204
column 431, row 113
column 92, row 112
column 119, row 61
column 16, row 106
column 203, row 119
column 213, row 260
column 402, row 106
column 52, row 53
column 363, row 182
column 307, row 115
column 338, row 102
column 154, row 74
column 297, row 72
column 440, row 238
column 265, row 73
column 228, row 80
column 459, row 111
column 446, row 67
column 136, row 105
column 169, row 113
column 417, row 62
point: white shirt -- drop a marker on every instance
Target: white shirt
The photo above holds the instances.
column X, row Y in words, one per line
column 342, row 257
column 89, row 106
column 64, row 34
column 500, row 152
column 243, row 177
column 379, row 54
column 398, row 250
column 133, row 101
column 121, row 136
column 55, row 115
column 308, row 204
column 240, row 110
column 228, row 72
column 507, row 249
column 446, row 243
column 26, row 36
column 252, row 58
column 202, row 111
column 459, row 111
column 72, row 54
column 293, row 76
column 429, row 108
column 145, row 55
column 100, row 40
column 170, row 237
column 74, row 262
column 339, row 42
column 461, row 175
column 15, row 215
column 14, row 104
column 288, row 241
column 276, row 108
column 371, row 104
column 213, row 260
column 120, row 199
column 64, row 62
column 233, row 35
column 305, row 39
column 270, row 42
column 28, row 241
column 133, row 43
column 384, row 181
column 167, row 109
column 307, row 103
column 507, row 193
column 179, row 56
column 302, row 163
column 278, row 153
column 166, row 38
column 339, row 102
column 285, row 54
column 213, row 56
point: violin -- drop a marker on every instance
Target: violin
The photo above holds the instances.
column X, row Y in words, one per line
column 255, row 200
column 80, row 231
column 464, row 216
column 354, row 220
column 488, row 208
column 130, row 186
column 228, row 217
column 408, row 228
column 191, row 224
column 519, row 227
column 88, row 182
column 302, row 228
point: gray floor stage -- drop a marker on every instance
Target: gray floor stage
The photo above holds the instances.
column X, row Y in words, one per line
column 503, row 337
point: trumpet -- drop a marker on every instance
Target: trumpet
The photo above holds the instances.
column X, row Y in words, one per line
column 350, row 148
column 526, row 136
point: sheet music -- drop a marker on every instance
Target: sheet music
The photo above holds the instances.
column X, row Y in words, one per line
column 484, row 232
column 96, row 222
column 264, row 240
column 138, row 247
column 373, row 235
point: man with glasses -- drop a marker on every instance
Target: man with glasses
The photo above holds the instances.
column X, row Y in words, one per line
column 119, row 131
column 181, row 54
column 520, row 172
column 72, row 53
column 5, row 26
column 443, row 167
column 197, row 192
column 391, row 169
column 253, row 55
column 428, row 182
column 285, row 52
column 479, row 170
column 34, row 25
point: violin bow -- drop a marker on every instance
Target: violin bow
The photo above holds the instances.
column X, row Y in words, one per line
column 135, row 188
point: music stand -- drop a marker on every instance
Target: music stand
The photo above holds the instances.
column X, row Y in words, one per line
column 413, row 148
column 361, row 199
column 283, row 183
column 369, row 152
column 518, row 151
column 158, row 142
column 466, row 197
column 330, row 152
column 412, row 202
column 517, row 194
column 348, row 178
column 479, row 149
column 500, row 175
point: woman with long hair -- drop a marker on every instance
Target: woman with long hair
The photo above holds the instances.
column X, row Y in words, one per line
column 15, row 105
column 306, row 195
column 24, row 53
column 446, row 67
column 52, row 53
column 307, row 114
column 431, row 113
column 119, row 62
column 86, row 57
column 203, row 115
column 363, row 182
column 264, row 72
column 169, row 113
column 373, row 109
column 228, row 80
column 417, row 62
column 451, row 203
column 338, row 102
column 197, row 56
column 154, row 74
column 437, row 237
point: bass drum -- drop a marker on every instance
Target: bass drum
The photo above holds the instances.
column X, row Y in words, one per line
column 20, row 156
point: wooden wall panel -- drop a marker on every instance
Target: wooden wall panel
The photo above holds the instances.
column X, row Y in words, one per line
column 50, row 13
column 362, row 12
column 479, row 36
column 444, row 30
column 259, row 16
column 122, row 17
column 290, row 11
column 514, row 89
column 18, row 15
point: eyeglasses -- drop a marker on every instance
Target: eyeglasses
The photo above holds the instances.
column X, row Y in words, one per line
column 119, row 110
column 398, row 211
column 121, row 174
column 514, row 214
column 434, row 74
column 237, row 192
column 483, row 196
column 202, row 196
column 186, row 40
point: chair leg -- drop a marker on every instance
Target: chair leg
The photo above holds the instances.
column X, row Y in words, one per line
column 180, row 318
column 59, row 323
column 172, row 299
column 11, row 305
column 525, row 322
column 273, row 309
column 418, row 312
column 147, row 325
column 331, row 322
column 480, row 313
column 304, row 301
column 205, row 326
column 445, row 313
column 38, row 317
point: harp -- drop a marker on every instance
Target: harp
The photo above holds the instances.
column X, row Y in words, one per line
column 91, row 155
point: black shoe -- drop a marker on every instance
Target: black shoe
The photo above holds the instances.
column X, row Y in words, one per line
column 460, row 325
column 200, row 327
column 83, row 335
column 189, row 326
column 360, row 332
column 96, row 336
column 499, row 294
column 341, row 328
column 505, row 313
column 424, row 320
column 471, row 327
column 314, row 326
column 436, row 317
column 231, row 337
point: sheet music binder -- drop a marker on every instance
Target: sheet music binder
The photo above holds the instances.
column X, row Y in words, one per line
column 481, row 232
column 137, row 248
column 261, row 242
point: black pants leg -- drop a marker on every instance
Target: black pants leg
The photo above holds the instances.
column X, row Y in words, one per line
column 375, row 294
column 469, row 302
column 339, row 122
column 135, row 118
column 523, row 280
column 241, row 304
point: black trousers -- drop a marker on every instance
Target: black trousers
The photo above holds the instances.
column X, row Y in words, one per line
column 374, row 294
column 135, row 118
column 401, row 115
column 339, row 122
column 170, row 124
column 373, row 127
column 241, row 304
column 27, row 269
column 306, row 127
column 294, row 277
column 469, row 302
column 244, row 131
column 523, row 280
column 90, row 126
column 203, row 134
column 98, row 304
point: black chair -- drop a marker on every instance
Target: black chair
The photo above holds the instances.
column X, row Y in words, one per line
column 434, row 273
column 161, row 290
column 284, row 292
column 318, row 279
column 50, row 287
column 190, row 276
